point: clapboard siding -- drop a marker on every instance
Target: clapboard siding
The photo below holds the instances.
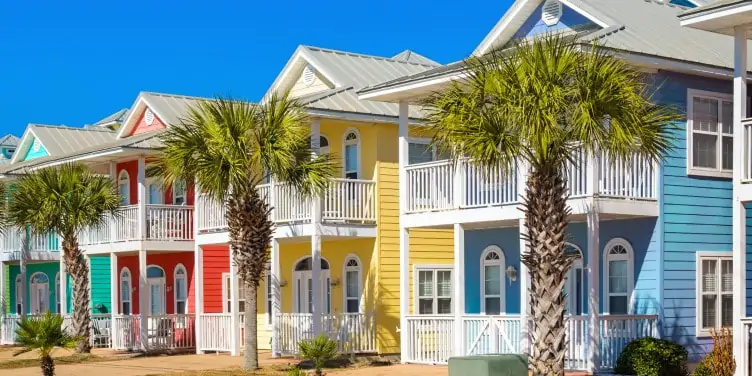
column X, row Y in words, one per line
column 101, row 296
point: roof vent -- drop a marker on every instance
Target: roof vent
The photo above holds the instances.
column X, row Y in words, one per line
column 309, row 75
column 552, row 10
column 148, row 117
column 36, row 145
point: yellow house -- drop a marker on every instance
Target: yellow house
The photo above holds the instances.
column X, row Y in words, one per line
column 353, row 229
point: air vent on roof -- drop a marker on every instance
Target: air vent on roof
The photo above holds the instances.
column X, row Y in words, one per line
column 148, row 117
column 309, row 75
column 552, row 10
column 36, row 145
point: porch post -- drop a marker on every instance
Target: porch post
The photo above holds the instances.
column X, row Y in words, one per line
column 143, row 300
column 738, row 211
column 524, row 274
column 3, row 289
column 114, row 285
column 141, row 197
column 404, row 242
column 63, row 286
column 458, row 281
column 276, row 296
column 198, row 272
column 25, row 306
column 234, row 309
column 316, row 286
column 593, row 263
column 114, row 177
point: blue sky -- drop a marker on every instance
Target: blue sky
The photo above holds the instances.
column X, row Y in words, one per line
column 72, row 62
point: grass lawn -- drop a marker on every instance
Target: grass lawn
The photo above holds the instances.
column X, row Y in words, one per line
column 275, row 370
column 69, row 359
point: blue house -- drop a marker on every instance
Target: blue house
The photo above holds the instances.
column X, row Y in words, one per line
column 655, row 239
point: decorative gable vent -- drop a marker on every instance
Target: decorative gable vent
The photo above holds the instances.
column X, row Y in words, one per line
column 309, row 75
column 148, row 117
column 552, row 10
column 36, row 145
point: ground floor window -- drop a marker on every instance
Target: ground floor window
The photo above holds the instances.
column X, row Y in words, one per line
column 125, row 291
column 227, row 294
column 714, row 291
column 19, row 295
column 434, row 290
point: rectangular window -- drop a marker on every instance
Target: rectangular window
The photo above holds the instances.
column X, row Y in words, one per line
column 226, row 294
column 269, row 296
column 178, row 193
column 181, row 297
column 125, row 297
column 710, row 134
column 419, row 150
column 434, row 291
column 714, row 292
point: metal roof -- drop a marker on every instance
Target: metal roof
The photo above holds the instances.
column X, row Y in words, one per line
column 711, row 6
column 117, row 117
column 9, row 140
column 61, row 140
column 413, row 57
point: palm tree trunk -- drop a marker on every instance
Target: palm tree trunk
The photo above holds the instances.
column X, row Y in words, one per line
column 48, row 365
column 546, row 211
column 250, row 357
column 251, row 229
column 78, row 269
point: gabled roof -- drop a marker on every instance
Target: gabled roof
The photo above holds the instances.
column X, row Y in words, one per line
column 349, row 72
column 60, row 140
column 167, row 107
column 9, row 140
column 116, row 117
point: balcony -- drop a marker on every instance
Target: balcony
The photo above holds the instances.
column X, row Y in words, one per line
column 345, row 202
column 444, row 186
column 161, row 223
column 38, row 246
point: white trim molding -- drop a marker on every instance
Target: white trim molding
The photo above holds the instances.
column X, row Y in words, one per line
column 618, row 249
column 434, row 268
column 358, row 143
column 719, row 258
column 346, row 267
column 184, row 277
column 718, row 171
column 487, row 258
column 125, row 274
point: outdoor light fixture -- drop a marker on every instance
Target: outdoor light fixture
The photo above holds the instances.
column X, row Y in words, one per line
column 511, row 273
column 334, row 282
column 282, row 283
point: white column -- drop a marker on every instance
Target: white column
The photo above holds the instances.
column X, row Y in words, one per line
column 25, row 306
column 276, row 295
column 458, row 285
column 317, row 286
column 3, row 299
column 404, row 291
column 593, row 173
column 738, row 211
column 114, row 285
column 235, row 306
column 143, row 299
column 593, row 263
column 524, row 275
column 198, row 272
column 63, row 287
column 403, row 154
column 114, row 177
column 142, row 197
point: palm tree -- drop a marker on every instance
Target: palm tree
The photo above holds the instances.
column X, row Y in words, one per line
column 66, row 200
column 534, row 105
column 43, row 334
column 230, row 147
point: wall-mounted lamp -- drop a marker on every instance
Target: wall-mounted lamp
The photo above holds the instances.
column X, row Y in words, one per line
column 511, row 273
column 169, row 288
column 282, row 283
column 334, row 282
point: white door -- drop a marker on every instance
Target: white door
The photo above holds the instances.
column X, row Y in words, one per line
column 156, row 296
column 154, row 192
column 304, row 291
column 40, row 295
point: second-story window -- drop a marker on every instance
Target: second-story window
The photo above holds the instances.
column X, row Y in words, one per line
column 710, row 134
column 178, row 193
column 124, row 184
column 352, row 155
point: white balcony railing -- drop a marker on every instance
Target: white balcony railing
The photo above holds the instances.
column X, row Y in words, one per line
column 163, row 222
column 747, row 172
column 444, row 185
column 13, row 241
column 353, row 332
column 344, row 201
column 432, row 339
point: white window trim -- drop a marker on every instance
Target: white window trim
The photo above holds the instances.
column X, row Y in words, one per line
column 630, row 272
column 346, row 269
column 700, row 256
column 19, row 295
column 700, row 171
column 58, row 294
column 325, row 274
column 268, row 298
column 571, row 284
column 434, row 268
column 359, row 150
column 324, row 149
column 175, row 277
column 126, row 182
column 31, row 299
column 184, row 193
column 483, row 263
column 127, row 272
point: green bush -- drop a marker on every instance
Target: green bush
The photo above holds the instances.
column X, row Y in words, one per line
column 703, row 369
column 319, row 350
column 296, row 372
column 652, row 357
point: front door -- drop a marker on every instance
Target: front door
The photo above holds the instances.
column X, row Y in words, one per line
column 156, row 296
column 39, row 294
column 304, row 291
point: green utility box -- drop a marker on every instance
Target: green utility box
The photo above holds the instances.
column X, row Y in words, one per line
column 488, row 365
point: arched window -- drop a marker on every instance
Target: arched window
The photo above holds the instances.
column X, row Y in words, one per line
column 125, row 292
column 39, row 294
column 492, row 287
column 352, row 154
column 575, row 286
column 303, row 286
column 179, row 193
column 58, row 294
column 181, row 290
column 124, row 184
column 154, row 272
column 618, row 279
column 19, row 296
column 353, row 284
column 323, row 144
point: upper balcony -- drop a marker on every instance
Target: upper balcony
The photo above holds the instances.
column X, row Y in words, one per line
column 158, row 227
column 442, row 193
column 20, row 244
column 348, row 208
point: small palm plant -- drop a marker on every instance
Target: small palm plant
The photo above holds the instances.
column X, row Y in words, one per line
column 319, row 350
column 43, row 334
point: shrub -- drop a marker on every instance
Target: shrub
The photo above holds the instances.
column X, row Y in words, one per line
column 652, row 357
column 296, row 372
column 703, row 369
column 319, row 350
column 721, row 361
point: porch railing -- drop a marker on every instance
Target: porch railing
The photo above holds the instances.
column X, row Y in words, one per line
column 12, row 241
column 344, row 201
column 163, row 222
column 354, row 332
column 444, row 185
column 747, row 168
column 431, row 339
column 215, row 331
